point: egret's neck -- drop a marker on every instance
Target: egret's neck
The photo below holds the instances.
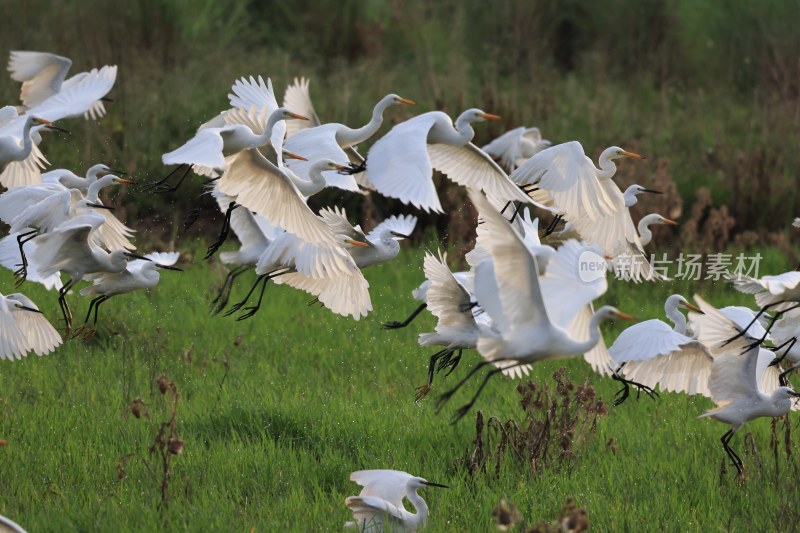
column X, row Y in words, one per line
column 419, row 506
column 630, row 197
column 607, row 166
column 264, row 138
column 645, row 235
column 347, row 137
column 311, row 186
column 594, row 334
column 676, row 317
column 27, row 142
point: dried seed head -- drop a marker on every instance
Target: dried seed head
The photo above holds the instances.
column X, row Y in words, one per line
column 175, row 446
column 163, row 383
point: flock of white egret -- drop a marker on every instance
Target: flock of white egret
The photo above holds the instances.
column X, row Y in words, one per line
column 522, row 300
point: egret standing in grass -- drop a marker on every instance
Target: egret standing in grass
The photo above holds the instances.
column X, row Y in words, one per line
column 379, row 506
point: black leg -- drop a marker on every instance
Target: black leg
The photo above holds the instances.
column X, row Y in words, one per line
column 235, row 307
column 755, row 319
column 22, row 272
column 151, row 187
column 788, row 345
column 552, row 226
column 223, row 233
column 624, row 392
column 219, row 303
column 190, row 219
column 62, row 303
column 459, row 414
column 252, row 310
column 425, row 389
column 447, row 395
column 517, row 207
column 502, row 211
column 407, row 321
column 450, row 362
column 737, row 461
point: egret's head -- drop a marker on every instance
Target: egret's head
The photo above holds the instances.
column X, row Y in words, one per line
column 286, row 114
column 615, row 152
column 608, row 312
column 785, row 393
column 330, row 165
column 418, row 483
column 676, row 300
column 638, row 189
column 477, row 115
column 395, row 99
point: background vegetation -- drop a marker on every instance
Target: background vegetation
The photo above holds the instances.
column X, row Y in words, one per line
column 710, row 90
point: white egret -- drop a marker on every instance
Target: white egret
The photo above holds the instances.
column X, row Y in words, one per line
column 23, row 328
column 379, row 506
column 400, row 164
column 734, row 380
column 70, row 248
column 508, row 289
column 631, row 194
column 382, row 242
column 420, row 294
column 10, row 259
column 21, row 161
column 516, row 146
column 138, row 274
column 210, row 146
column 781, row 292
column 70, row 180
column 649, row 352
column 45, row 84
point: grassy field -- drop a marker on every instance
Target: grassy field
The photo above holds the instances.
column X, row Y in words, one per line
column 275, row 412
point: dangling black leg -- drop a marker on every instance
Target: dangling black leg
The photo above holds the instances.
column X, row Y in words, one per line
column 788, row 345
column 440, row 401
column 737, row 461
column 237, row 306
column 407, row 321
column 223, row 233
column 755, row 319
column 189, row 220
column 783, row 380
column 425, row 389
column 153, row 185
column 553, row 225
column 219, row 303
column 62, row 303
column 172, row 188
column 353, row 168
column 459, row 414
column 624, row 392
column 254, row 309
column 502, row 211
column 450, row 362
column 21, row 273
column 517, row 207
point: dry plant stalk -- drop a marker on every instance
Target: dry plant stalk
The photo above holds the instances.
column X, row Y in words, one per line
column 555, row 425
column 571, row 519
column 167, row 442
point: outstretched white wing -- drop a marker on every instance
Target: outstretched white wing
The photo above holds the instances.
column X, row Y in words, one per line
column 567, row 180
column 249, row 93
column 41, row 336
column 78, row 97
column 41, row 74
column 471, row 167
column 447, row 299
column 398, row 165
column 297, row 99
column 401, row 224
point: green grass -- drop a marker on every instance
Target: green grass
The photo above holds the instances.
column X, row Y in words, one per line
column 278, row 410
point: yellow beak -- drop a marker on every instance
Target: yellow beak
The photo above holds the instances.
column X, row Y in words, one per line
column 295, row 115
column 356, row 243
column 123, row 180
column 339, row 167
column 489, row 116
column 625, row 316
column 633, row 155
column 687, row 305
column 669, row 222
column 407, row 102
column 290, row 155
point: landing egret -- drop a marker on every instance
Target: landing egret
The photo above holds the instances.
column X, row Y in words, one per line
column 516, row 146
column 69, row 248
column 509, row 291
column 45, row 84
column 138, row 274
column 379, row 506
column 734, row 381
column 23, row 328
column 401, row 163
column 651, row 352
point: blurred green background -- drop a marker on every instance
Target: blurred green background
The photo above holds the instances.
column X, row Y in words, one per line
column 708, row 89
